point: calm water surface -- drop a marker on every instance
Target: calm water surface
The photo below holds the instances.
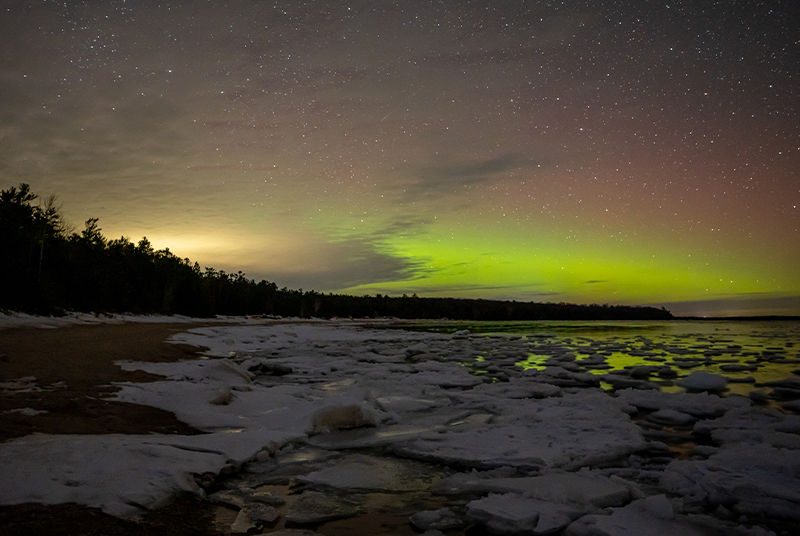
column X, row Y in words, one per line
column 748, row 353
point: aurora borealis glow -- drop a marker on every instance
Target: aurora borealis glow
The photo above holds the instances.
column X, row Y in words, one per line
column 590, row 152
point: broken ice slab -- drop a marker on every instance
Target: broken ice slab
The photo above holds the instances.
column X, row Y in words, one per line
column 670, row 417
column 260, row 513
column 701, row 405
column 703, row 381
column 754, row 425
column 314, row 507
column 750, row 479
column 618, row 381
column 788, row 389
column 442, row 519
column 384, row 435
column 242, row 524
column 653, row 516
column 517, row 515
column 525, row 437
column 228, row 497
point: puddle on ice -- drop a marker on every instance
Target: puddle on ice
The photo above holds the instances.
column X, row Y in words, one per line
column 344, row 494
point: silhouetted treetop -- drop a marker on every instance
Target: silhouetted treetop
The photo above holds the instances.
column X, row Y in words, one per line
column 44, row 268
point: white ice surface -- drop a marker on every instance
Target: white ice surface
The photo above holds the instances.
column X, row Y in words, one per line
column 591, row 428
column 698, row 404
column 703, row 381
column 426, row 406
column 119, row 473
column 22, row 320
column 514, row 514
column 647, row 516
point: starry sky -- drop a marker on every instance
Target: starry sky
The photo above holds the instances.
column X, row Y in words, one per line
column 622, row 152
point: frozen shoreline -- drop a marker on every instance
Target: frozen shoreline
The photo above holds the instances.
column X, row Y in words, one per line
column 266, row 391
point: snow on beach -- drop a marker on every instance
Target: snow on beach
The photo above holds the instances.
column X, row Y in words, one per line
column 542, row 434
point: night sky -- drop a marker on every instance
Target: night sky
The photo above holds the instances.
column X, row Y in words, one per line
column 632, row 152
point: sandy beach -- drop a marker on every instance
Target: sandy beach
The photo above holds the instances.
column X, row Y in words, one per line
column 73, row 369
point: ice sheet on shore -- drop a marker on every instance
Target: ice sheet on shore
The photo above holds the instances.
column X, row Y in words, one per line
column 538, row 428
column 591, row 428
column 122, row 474
column 24, row 320
column 653, row 516
column 514, row 514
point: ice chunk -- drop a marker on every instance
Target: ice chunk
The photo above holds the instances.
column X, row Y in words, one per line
column 222, row 398
column 514, row 514
column 562, row 377
column 703, row 381
column 504, row 514
column 118, row 473
column 659, row 506
column 751, row 479
column 618, row 381
column 753, row 425
column 535, row 434
column 341, row 417
column 670, row 417
column 442, row 519
column 701, row 405
column 593, row 359
column 229, row 497
column 419, row 348
column 639, row 517
column 252, row 515
column 518, row 388
column 242, row 524
column 444, row 374
column 260, row 513
column 224, row 370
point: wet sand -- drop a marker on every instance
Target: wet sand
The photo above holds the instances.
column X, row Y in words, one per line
column 74, row 369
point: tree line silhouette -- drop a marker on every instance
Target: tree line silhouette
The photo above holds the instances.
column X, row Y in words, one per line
column 46, row 268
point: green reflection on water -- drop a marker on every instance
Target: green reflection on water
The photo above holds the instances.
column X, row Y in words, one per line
column 684, row 347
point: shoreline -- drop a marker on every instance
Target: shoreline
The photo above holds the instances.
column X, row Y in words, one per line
column 72, row 391
column 67, row 373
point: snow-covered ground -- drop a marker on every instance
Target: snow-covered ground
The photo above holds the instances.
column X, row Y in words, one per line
column 22, row 320
column 342, row 410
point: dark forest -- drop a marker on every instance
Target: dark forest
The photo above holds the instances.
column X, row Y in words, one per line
column 45, row 268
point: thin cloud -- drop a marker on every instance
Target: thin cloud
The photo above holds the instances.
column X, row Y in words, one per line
column 349, row 264
column 452, row 178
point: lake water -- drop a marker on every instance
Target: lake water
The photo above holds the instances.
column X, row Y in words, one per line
column 748, row 353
